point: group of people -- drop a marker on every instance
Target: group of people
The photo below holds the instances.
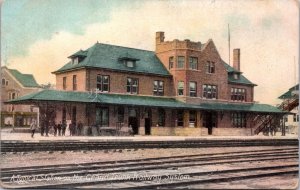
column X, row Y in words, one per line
column 58, row 129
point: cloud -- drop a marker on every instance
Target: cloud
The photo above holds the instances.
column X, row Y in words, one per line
column 266, row 33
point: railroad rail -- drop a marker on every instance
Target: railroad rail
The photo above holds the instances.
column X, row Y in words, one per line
column 27, row 146
column 227, row 166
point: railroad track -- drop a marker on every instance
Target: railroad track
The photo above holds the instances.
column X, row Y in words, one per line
column 197, row 169
column 19, row 146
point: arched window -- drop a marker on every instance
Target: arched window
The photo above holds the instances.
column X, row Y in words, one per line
column 3, row 82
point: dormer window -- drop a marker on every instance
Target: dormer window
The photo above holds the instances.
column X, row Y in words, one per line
column 236, row 76
column 75, row 61
column 128, row 60
column 77, row 57
column 129, row 63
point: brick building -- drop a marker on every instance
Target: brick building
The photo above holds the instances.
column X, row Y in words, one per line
column 13, row 85
column 182, row 88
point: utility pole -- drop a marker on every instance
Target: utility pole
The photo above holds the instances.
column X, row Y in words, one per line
column 228, row 44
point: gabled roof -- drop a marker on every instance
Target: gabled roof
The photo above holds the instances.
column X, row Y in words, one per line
column 231, row 71
column 123, row 99
column 107, row 56
column 289, row 93
column 27, row 80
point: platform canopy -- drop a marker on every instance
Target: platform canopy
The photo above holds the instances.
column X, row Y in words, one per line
column 57, row 96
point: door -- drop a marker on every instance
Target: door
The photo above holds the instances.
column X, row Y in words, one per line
column 210, row 121
column 133, row 122
column 147, row 126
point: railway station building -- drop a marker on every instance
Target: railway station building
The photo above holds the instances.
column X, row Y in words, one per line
column 15, row 84
column 181, row 88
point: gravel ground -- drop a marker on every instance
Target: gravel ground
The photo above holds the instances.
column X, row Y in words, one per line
column 10, row 160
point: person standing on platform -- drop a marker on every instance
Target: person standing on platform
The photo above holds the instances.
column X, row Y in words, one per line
column 55, row 129
column 43, row 128
column 59, row 128
column 33, row 128
column 63, row 127
column 47, row 128
column 79, row 128
column 71, row 129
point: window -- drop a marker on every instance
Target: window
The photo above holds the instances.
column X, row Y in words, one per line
column 180, row 88
column 103, row 83
column 102, row 116
column 3, row 82
column 236, row 76
column 158, row 88
column 120, row 114
column 238, row 119
column 6, row 83
column 180, row 62
column 64, row 83
column 297, row 118
column 180, row 118
column 209, row 91
column 294, row 117
column 161, row 117
column 193, row 89
column 193, row 63
column 238, row 94
column 75, row 60
column 171, row 62
column 129, row 63
column 13, row 96
column 74, row 82
column 132, row 85
column 192, row 119
column 210, row 67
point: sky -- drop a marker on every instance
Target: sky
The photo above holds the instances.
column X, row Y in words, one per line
column 37, row 36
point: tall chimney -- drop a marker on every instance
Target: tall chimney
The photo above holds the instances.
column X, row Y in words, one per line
column 236, row 59
column 160, row 37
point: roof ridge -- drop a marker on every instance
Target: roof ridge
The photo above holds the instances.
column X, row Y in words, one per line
column 124, row 47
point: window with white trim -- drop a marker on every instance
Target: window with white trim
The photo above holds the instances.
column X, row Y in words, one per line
column 158, row 88
column 132, row 85
column 238, row 94
column 193, row 63
column 180, row 62
column 210, row 67
column 210, row 91
column 193, row 89
column 180, row 88
column 103, row 83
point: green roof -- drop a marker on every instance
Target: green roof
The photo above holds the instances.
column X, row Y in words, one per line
column 242, row 107
column 27, row 80
column 79, row 53
column 231, row 71
column 85, row 97
column 108, row 57
column 288, row 94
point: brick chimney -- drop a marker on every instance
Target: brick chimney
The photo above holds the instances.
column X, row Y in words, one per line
column 236, row 59
column 160, row 37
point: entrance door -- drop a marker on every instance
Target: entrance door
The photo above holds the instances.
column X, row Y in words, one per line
column 133, row 122
column 147, row 126
column 210, row 121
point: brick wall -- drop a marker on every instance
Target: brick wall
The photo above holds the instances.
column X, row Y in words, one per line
column 176, row 48
column 118, row 81
column 81, row 80
column 249, row 91
column 16, row 87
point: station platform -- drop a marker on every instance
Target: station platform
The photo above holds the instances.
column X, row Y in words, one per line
column 7, row 135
